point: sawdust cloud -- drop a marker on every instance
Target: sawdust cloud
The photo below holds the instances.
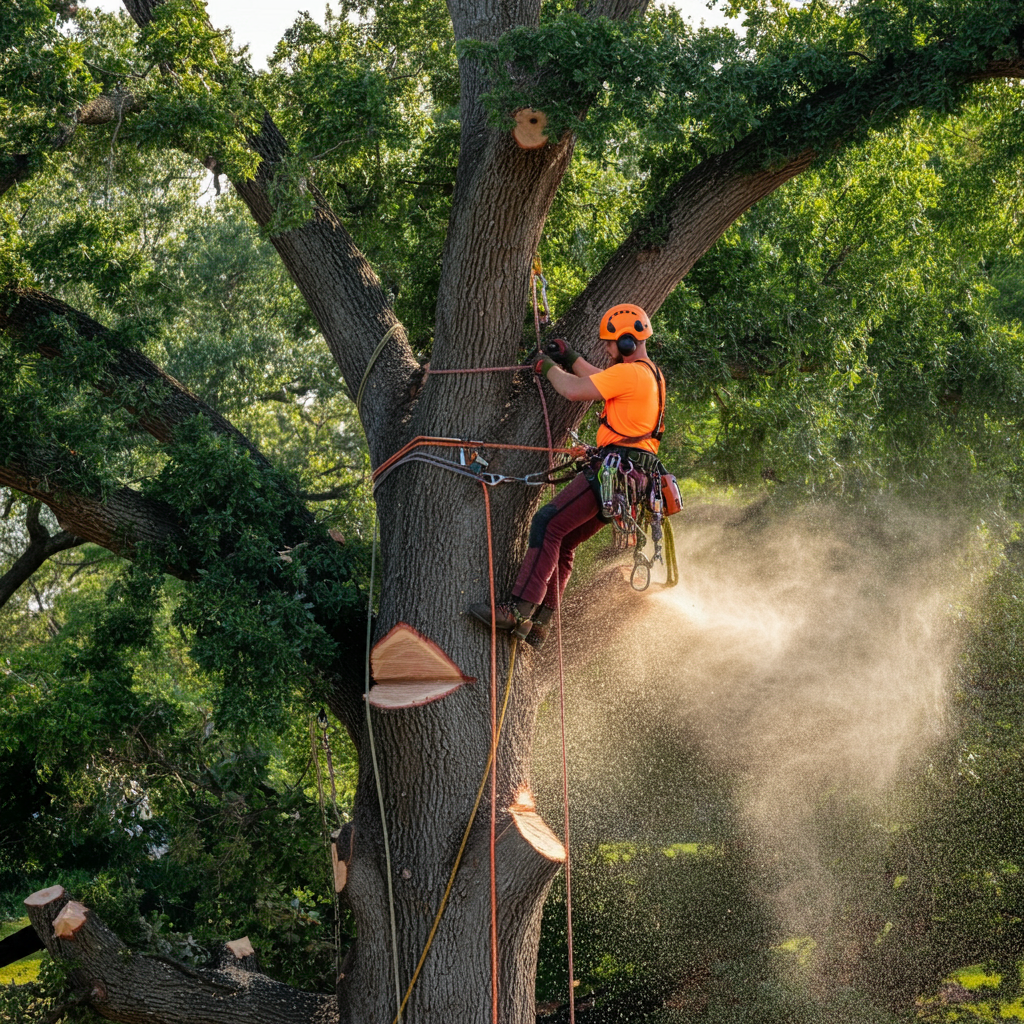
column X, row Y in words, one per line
column 783, row 694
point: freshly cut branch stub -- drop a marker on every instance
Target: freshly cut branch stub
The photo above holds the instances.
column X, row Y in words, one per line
column 532, row 828
column 44, row 896
column 241, row 947
column 410, row 670
column 69, row 920
column 409, row 695
column 529, row 129
column 340, row 869
column 406, row 655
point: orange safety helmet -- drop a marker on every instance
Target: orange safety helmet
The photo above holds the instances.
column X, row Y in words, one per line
column 625, row 320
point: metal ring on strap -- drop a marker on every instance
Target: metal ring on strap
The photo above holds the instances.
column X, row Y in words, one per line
column 369, row 366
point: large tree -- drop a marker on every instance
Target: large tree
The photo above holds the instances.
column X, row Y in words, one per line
column 353, row 120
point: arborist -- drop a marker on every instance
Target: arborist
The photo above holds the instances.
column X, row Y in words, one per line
column 628, row 435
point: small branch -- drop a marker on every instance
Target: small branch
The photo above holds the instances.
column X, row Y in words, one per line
column 285, row 392
column 41, row 547
column 334, row 492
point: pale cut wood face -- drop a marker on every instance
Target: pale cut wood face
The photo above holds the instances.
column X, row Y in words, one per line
column 529, row 129
column 409, row 670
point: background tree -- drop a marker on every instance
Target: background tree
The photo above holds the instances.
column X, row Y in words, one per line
column 705, row 126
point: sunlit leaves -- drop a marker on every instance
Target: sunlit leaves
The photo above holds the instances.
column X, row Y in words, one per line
column 43, row 81
column 843, row 334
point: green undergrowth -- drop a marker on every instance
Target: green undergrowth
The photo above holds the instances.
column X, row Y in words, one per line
column 973, row 994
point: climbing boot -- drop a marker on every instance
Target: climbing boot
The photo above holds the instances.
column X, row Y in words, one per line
column 514, row 616
column 541, row 627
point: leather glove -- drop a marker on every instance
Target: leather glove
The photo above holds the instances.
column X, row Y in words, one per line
column 559, row 351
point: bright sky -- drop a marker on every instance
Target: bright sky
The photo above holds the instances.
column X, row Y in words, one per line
column 261, row 23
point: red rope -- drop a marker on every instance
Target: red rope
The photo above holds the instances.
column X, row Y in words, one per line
column 483, row 369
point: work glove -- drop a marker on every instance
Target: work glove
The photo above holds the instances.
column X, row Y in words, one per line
column 559, row 351
column 542, row 364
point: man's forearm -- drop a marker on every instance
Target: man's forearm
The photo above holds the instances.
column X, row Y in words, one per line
column 581, row 368
column 575, row 388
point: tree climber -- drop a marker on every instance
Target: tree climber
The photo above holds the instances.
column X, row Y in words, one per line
column 630, row 429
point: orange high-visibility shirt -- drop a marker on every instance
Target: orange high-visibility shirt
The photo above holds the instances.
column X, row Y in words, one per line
column 633, row 398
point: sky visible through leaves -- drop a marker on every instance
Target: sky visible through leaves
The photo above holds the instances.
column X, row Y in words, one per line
column 261, row 23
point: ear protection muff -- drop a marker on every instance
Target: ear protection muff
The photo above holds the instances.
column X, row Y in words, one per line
column 626, row 344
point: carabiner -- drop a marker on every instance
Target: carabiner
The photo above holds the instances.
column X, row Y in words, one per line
column 647, row 574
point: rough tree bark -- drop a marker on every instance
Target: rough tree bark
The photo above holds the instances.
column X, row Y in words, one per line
column 433, row 527
column 123, row 986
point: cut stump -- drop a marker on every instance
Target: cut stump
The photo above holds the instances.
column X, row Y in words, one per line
column 529, row 129
column 69, row 920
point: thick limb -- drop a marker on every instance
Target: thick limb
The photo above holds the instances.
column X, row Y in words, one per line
column 124, row 986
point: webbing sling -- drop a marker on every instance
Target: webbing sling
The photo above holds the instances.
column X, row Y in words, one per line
column 659, row 429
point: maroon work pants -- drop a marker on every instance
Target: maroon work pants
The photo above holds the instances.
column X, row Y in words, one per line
column 555, row 532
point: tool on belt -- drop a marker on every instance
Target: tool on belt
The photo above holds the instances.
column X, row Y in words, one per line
column 637, row 494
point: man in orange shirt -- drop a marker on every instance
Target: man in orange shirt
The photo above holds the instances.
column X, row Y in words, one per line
column 631, row 425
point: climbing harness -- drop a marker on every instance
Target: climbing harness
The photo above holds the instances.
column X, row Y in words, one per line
column 629, row 485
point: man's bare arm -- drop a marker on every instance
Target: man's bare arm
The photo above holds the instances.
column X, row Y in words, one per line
column 576, row 386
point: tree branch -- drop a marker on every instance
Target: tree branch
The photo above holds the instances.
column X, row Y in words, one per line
column 41, row 547
column 336, row 280
column 698, row 209
column 28, row 317
column 105, row 108
column 617, row 10
column 124, row 986
column 119, row 523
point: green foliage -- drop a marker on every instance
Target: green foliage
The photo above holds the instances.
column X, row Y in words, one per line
column 261, row 619
column 663, row 97
column 844, row 334
column 119, row 784
column 43, row 81
column 860, row 329
column 48, row 996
